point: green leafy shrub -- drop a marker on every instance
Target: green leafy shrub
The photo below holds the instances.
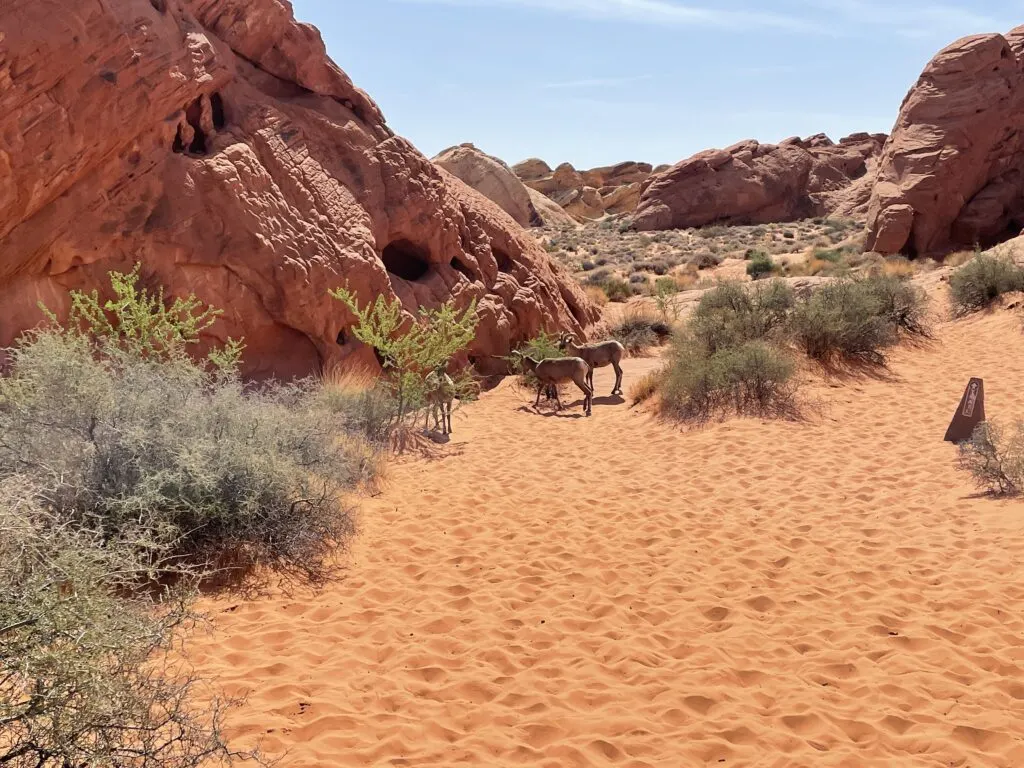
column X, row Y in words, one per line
column 979, row 282
column 412, row 348
column 760, row 265
column 995, row 458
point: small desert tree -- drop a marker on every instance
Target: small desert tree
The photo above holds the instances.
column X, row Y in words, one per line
column 412, row 348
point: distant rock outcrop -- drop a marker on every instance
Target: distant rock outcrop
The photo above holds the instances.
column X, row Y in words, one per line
column 214, row 142
column 752, row 183
column 587, row 195
column 493, row 179
column 952, row 173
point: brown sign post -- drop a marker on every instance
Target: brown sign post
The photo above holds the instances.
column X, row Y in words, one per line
column 969, row 414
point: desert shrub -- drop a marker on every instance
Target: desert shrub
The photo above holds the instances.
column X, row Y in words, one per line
column 753, row 378
column 644, row 388
column 120, row 429
column 995, row 458
column 363, row 403
column 898, row 266
column 706, row 260
column 597, row 295
column 760, row 265
column 87, row 675
column 597, row 277
column 638, row 278
column 900, row 302
column 587, row 266
column 712, row 232
column 618, row 290
column 602, row 262
column 960, row 258
column 730, row 315
column 412, row 348
column 844, row 320
column 639, row 330
column 755, row 254
column 170, row 455
column 666, row 286
column 789, row 234
column 978, row 283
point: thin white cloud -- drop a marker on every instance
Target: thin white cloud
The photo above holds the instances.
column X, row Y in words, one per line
column 912, row 19
column 597, row 82
column 649, row 12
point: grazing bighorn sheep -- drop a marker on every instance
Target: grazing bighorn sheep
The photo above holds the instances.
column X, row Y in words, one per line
column 596, row 356
column 554, row 371
column 440, row 392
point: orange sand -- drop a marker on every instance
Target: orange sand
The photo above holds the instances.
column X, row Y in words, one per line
column 559, row 591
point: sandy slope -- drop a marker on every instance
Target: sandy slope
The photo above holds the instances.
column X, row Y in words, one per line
column 559, row 591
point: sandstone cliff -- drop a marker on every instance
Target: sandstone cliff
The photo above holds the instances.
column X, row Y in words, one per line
column 752, row 183
column 587, row 195
column 216, row 143
column 952, row 173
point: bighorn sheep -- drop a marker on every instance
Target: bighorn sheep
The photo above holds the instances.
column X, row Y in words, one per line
column 596, row 356
column 440, row 392
column 554, row 371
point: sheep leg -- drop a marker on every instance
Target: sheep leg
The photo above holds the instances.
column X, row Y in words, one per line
column 558, row 402
column 588, row 394
column 540, row 387
column 618, row 378
column 449, row 427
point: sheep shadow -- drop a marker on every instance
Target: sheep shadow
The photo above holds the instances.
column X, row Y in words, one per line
column 606, row 400
column 547, row 414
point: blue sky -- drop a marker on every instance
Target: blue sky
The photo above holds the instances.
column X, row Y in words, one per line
column 596, row 82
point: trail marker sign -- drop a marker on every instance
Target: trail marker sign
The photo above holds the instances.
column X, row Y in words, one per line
column 969, row 414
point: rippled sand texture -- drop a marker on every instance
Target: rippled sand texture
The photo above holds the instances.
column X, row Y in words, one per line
column 559, row 591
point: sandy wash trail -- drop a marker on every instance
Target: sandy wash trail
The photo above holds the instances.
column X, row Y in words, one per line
column 559, row 591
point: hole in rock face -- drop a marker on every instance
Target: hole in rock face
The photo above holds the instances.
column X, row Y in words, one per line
column 219, row 117
column 179, row 144
column 406, row 260
column 341, row 338
column 461, row 268
column 505, row 263
column 193, row 115
column 381, row 360
column 159, row 5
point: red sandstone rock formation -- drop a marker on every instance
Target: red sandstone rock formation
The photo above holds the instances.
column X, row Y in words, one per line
column 752, row 183
column 587, row 195
column 952, row 174
column 216, row 143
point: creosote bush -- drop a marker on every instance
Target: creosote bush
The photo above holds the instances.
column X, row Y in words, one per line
column 731, row 314
column 753, row 378
column 995, row 458
column 847, row 321
column 979, row 282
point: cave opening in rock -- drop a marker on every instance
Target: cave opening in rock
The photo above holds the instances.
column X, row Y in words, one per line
column 505, row 263
column 461, row 268
column 179, row 144
column 217, row 107
column 341, row 338
column 406, row 260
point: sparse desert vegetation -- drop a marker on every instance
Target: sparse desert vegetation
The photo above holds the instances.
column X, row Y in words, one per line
column 982, row 280
column 608, row 251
